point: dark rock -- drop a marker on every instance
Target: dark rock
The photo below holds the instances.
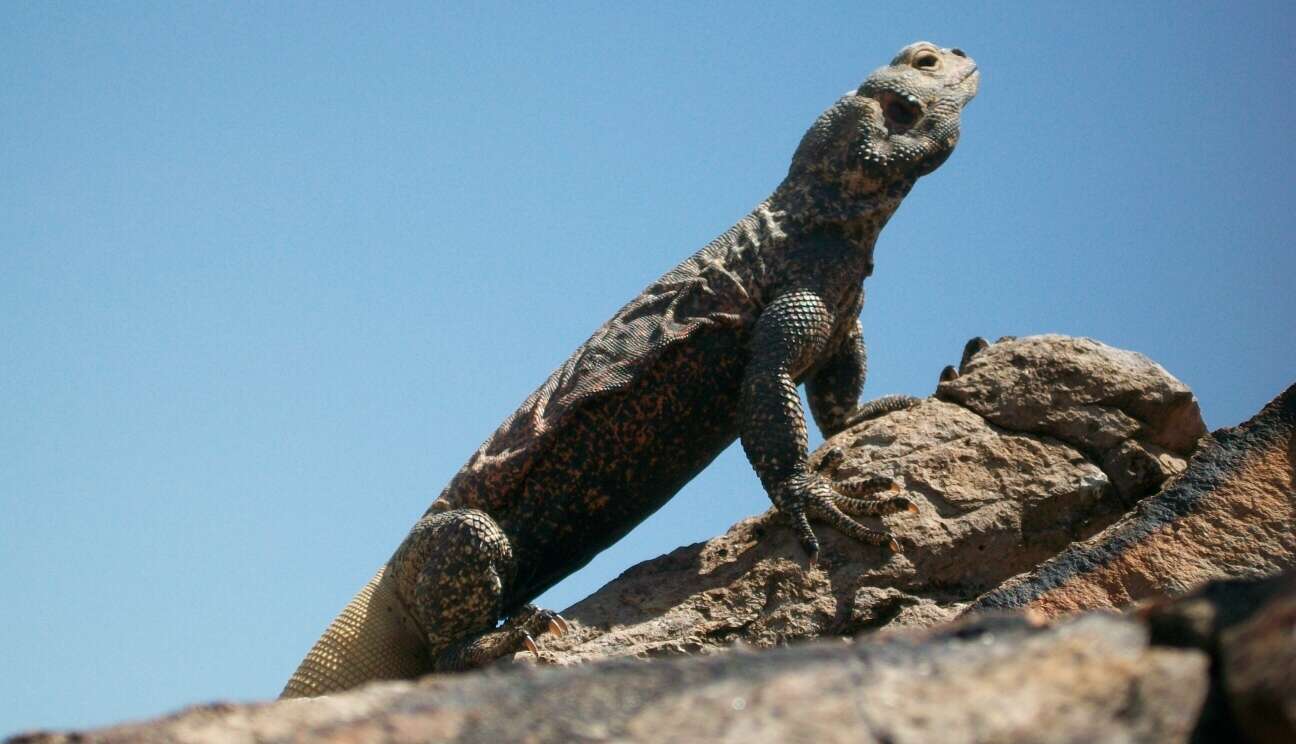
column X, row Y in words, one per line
column 1248, row 628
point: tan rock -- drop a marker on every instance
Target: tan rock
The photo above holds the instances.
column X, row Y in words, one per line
column 990, row 504
column 1090, row 395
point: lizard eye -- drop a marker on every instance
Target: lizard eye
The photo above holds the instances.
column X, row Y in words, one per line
column 926, row 61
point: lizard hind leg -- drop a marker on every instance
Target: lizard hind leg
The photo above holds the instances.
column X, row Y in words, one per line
column 451, row 572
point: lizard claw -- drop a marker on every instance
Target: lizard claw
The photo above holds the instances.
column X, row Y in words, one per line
column 812, row 496
column 809, row 495
column 864, row 486
column 531, row 621
column 558, row 626
column 530, row 644
column 805, row 535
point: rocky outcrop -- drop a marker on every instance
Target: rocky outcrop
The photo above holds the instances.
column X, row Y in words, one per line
column 1256, row 662
column 1248, row 628
column 1122, row 409
column 1030, row 471
column 1093, row 679
column 993, row 502
column 1214, row 666
column 1231, row 514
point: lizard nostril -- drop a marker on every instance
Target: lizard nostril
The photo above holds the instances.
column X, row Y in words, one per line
column 958, row 52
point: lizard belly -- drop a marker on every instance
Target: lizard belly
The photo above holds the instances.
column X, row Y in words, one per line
column 621, row 457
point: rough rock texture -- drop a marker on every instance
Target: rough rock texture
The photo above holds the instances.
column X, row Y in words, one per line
column 1092, row 679
column 1121, row 408
column 992, row 503
column 1230, row 514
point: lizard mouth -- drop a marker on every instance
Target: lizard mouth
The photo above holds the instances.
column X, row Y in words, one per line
column 900, row 111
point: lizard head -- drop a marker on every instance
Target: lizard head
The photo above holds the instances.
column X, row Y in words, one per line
column 901, row 123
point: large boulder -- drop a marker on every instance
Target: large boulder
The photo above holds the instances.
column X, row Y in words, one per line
column 1215, row 665
column 992, row 502
column 1122, row 409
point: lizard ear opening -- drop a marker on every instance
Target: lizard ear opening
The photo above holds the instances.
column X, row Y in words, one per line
column 900, row 112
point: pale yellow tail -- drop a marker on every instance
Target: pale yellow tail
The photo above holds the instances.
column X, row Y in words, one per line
column 372, row 638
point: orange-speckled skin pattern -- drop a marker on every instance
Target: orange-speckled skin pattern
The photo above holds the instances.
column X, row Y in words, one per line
column 710, row 352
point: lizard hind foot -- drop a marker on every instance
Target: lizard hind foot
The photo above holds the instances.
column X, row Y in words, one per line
column 518, row 633
column 558, row 626
column 810, row 496
column 864, row 496
column 531, row 622
column 538, row 621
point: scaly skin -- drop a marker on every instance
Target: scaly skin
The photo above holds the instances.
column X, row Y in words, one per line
column 712, row 351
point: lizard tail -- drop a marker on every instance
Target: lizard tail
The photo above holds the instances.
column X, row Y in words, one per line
column 372, row 638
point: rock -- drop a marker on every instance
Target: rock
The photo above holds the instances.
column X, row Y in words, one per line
column 1248, row 627
column 1230, row 514
column 1092, row 679
column 1118, row 406
column 991, row 503
column 1258, row 663
column 1018, row 506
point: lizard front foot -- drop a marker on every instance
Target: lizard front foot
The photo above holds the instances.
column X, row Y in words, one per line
column 808, row 495
column 530, row 621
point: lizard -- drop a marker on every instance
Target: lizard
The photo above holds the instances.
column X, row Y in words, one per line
column 711, row 352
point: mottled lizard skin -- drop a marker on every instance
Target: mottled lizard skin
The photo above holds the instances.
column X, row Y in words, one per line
column 711, row 351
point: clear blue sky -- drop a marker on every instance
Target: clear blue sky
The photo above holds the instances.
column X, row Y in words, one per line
column 269, row 274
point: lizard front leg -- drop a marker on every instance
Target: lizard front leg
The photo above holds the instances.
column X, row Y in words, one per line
column 790, row 335
column 834, row 389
